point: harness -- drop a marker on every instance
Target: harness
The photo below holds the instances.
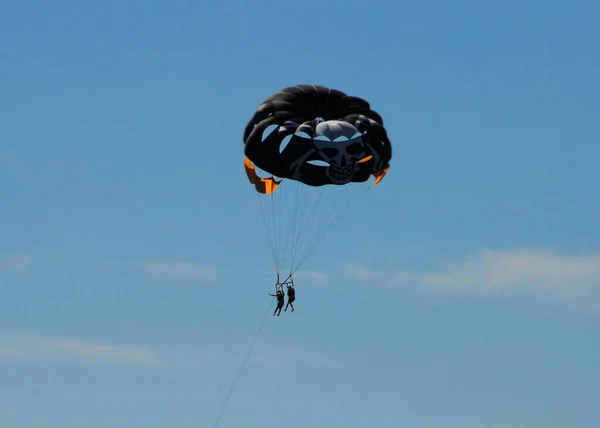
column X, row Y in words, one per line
column 288, row 281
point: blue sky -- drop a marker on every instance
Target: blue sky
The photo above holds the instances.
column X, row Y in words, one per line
column 134, row 267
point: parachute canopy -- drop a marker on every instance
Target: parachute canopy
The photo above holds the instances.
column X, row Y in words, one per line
column 325, row 145
column 316, row 136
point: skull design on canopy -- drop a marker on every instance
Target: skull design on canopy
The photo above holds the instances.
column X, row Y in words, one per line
column 338, row 149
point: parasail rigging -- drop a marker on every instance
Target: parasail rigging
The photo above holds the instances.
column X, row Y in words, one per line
column 308, row 152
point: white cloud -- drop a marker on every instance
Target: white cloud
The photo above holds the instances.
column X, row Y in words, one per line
column 181, row 270
column 31, row 347
column 16, row 261
column 11, row 351
column 310, row 275
column 365, row 273
column 568, row 277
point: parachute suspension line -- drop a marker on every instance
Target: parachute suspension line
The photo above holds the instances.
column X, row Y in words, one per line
column 320, row 234
column 239, row 373
column 324, row 231
column 275, row 234
column 292, row 228
column 284, row 244
column 304, row 226
column 299, row 219
column 274, row 230
column 272, row 223
column 294, row 233
column 265, row 222
column 302, row 254
column 279, row 225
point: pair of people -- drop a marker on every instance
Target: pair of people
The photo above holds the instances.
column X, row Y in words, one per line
column 291, row 292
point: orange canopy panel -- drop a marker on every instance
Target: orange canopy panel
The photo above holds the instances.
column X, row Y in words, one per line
column 263, row 185
column 380, row 174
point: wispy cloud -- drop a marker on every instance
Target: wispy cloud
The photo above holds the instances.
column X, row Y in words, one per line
column 16, row 261
column 569, row 276
column 33, row 348
column 12, row 351
column 310, row 275
column 181, row 270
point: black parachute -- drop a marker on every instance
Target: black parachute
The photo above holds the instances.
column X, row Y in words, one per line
column 325, row 145
column 306, row 115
